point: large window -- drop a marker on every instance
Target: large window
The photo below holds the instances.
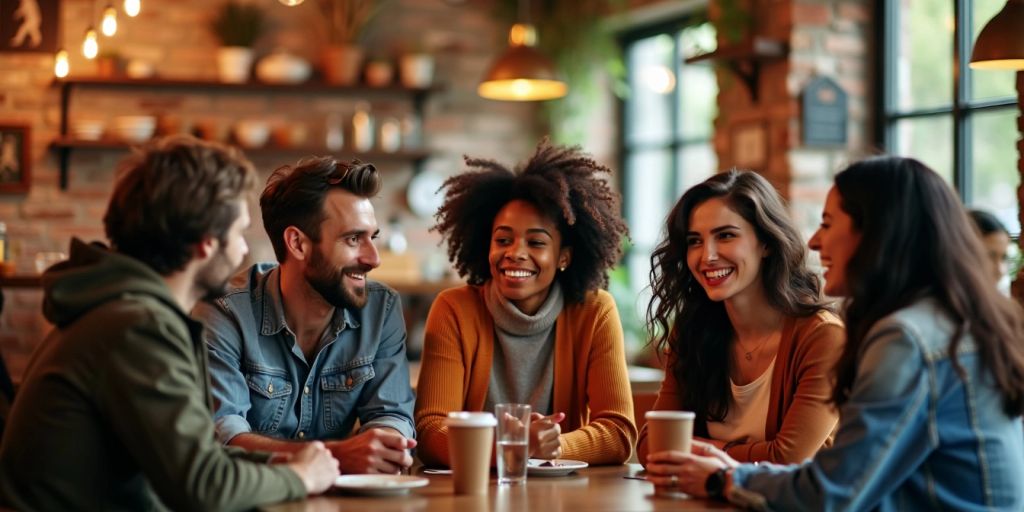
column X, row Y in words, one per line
column 961, row 122
column 666, row 134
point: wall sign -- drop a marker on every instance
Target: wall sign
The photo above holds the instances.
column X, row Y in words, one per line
column 29, row 25
column 15, row 169
column 825, row 113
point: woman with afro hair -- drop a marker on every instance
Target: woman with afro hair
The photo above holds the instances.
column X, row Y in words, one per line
column 534, row 324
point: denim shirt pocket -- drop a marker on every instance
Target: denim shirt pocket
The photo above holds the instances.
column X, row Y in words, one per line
column 341, row 393
column 268, row 394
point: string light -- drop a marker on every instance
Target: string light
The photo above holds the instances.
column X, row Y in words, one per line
column 60, row 64
column 90, row 46
column 132, row 7
column 109, row 24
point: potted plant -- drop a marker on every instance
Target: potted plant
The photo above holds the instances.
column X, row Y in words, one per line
column 344, row 22
column 238, row 25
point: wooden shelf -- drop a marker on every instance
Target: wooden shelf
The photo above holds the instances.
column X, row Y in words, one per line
column 744, row 59
column 179, row 84
column 65, row 144
column 411, row 155
column 21, row 281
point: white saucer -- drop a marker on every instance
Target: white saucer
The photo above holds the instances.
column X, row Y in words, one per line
column 379, row 485
column 557, row 467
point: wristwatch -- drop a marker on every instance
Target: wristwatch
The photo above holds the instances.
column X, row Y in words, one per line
column 715, row 484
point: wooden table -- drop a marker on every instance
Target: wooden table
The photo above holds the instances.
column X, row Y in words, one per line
column 602, row 488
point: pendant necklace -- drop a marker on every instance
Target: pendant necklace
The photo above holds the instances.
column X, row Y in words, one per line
column 749, row 354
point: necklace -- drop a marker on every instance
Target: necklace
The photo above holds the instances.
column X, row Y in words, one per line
column 749, row 354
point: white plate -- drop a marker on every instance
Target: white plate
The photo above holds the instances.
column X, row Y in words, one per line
column 423, row 195
column 379, row 485
column 558, row 467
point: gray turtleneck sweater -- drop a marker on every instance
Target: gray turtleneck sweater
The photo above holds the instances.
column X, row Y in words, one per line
column 523, row 367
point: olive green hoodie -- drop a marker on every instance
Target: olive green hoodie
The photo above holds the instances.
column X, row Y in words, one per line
column 114, row 412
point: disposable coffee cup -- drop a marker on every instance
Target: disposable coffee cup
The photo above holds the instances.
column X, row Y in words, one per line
column 470, row 441
column 669, row 430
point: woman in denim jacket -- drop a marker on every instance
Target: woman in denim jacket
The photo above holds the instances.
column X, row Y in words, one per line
column 930, row 386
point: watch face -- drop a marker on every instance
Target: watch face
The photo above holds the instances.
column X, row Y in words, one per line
column 715, row 484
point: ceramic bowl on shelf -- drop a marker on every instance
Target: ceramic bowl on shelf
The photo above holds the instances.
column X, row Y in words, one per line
column 283, row 68
column 87, row 129
column 134, row 129
column 252, row 133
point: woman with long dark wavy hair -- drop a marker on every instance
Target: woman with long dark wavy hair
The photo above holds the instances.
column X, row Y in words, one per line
column 930, row 385
column 749, row 341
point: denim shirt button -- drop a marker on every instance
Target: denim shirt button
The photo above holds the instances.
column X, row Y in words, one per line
column 302, row 435
column 306, row 390
column 270, row 387
column 348, row 382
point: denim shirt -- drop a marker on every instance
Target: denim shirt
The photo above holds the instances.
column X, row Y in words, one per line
column 912, row 436
column 263, row 384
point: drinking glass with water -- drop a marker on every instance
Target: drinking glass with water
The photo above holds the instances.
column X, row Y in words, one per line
column 513, row 440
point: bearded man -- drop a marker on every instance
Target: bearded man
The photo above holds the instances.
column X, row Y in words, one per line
column 301, row 350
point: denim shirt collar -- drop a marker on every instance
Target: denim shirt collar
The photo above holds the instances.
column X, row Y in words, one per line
column 273, row 308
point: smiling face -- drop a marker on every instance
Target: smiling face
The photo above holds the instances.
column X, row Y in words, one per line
column 997, row 243
column 835, row 240
column 526, row 253
column 723, row 252
column 338, row 265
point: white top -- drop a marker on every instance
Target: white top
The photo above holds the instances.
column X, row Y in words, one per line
column 748, row 411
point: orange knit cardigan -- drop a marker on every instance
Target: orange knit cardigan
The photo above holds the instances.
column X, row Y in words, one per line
column 800, row 420
column 591, row 384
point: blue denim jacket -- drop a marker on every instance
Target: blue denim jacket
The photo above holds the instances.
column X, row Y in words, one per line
column 913, row 435
column 262, row 382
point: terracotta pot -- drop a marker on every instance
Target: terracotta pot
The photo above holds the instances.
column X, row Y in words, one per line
column 341, row 64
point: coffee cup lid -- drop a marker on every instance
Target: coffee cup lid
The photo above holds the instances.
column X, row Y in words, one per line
column 670, row 415
column 471, row 419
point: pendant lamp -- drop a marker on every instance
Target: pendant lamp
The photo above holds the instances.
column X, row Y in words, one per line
column 522, row 73
column 1000, row 44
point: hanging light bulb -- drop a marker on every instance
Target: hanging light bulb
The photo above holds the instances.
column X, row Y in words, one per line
column 60, row 64
column 132, row 7
column 109, row 24
column 291, row 3
column 90, row 46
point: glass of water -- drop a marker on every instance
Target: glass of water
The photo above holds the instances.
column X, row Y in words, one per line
column 513, row 442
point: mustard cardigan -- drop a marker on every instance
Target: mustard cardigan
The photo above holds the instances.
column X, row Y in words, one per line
column 591, row 384
column 800, row 419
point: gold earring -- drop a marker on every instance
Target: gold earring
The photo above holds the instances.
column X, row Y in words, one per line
column 562, row 268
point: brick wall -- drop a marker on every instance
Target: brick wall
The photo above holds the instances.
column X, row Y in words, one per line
column 825, row 38
column 173, row 36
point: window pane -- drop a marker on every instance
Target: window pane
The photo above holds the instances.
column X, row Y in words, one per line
column 988, row 83
column 697, row 162
column 651, row 81
column 648, row 185
column 923, row 53
column 994, row 176
column 698, row 87
column 928, row 139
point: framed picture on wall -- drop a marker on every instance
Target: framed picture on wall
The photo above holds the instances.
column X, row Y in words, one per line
column 15, row 164
column 29, row 25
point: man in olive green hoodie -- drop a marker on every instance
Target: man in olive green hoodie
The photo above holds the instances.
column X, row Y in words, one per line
column 114, row 412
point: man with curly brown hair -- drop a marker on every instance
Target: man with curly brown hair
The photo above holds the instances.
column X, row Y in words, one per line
column 533, row 325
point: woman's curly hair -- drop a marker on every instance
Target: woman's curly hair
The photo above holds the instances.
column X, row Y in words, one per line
column 560, row 181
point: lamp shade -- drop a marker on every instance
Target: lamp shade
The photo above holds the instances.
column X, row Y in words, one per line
column 1000, row 45
column 522, row 73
